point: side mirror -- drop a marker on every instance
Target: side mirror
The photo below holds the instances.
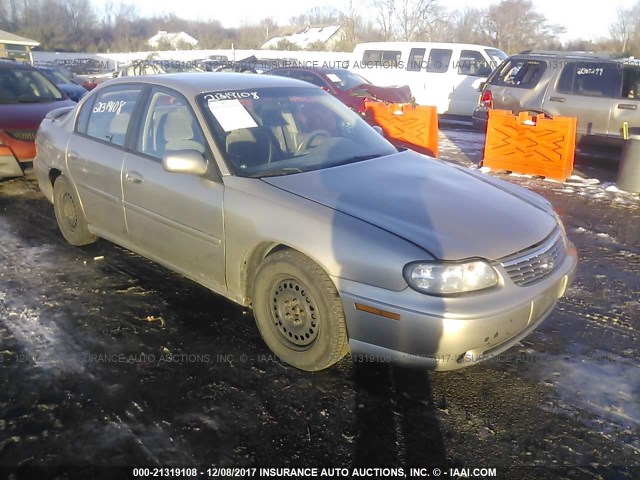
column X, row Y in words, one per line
column 185, row 161
column 482, row 85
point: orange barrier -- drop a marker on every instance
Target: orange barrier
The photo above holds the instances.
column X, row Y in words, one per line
column 411, row 126
column 530, row 145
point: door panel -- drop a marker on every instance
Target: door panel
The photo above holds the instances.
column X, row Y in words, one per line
column 95, row 156
column 472, row 70
column 175, row 218
column 96, row 170
column 626, row 103
column 584, row 90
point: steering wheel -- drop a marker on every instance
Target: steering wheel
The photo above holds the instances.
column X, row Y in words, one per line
column 308, row 141
column 275, row 152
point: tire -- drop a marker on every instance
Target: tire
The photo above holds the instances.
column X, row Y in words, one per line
column 69, row 214
column 310, row 338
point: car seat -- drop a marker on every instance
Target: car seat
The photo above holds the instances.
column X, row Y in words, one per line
column 179, row 133
column 251, row 147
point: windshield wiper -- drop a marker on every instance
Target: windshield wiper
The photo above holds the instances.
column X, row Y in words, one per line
column 34, row 99
column 276, row 173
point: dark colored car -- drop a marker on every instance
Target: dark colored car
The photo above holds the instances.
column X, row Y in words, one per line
column 348, row 87
column 70, row 88
column 26, row 96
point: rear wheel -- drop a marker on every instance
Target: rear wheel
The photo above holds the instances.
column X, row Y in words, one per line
column 298, row 311
column 69, row 215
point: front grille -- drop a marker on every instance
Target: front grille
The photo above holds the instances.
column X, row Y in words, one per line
column 535, row 264
column 24, row 135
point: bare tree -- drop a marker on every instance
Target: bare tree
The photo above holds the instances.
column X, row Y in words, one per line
column 318, row 16
column 414, row 17
column 625, row 31
column 465, row 25
column 385, row 17
column 514, row 25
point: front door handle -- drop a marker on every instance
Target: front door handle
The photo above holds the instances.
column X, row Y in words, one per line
column 627, row 106
column 557, row 99
column 133, row 177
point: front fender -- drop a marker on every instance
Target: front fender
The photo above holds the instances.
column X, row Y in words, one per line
column 258, row 214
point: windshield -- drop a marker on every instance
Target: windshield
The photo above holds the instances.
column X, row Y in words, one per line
column 56, row 77
column 26, row 86
column 344, row 79
column 280, row 131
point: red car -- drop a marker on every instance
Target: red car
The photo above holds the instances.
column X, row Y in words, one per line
column 26, row 96
column 348, row 87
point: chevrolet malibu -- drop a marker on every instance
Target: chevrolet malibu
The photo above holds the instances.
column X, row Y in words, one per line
column 274, row 194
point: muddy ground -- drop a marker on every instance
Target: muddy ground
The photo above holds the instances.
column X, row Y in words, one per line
column 110, row 360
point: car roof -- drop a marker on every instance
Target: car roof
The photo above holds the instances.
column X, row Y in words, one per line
column 314, row 69
column 13, row 65
column 201, row 82
column 578, row 55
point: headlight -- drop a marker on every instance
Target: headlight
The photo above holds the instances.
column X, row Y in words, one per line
column 449, row 278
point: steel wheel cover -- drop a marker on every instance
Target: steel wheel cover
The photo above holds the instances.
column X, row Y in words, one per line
column 294, row 314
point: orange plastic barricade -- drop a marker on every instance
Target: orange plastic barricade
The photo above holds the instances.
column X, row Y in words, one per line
column 535, row 145
column 412, row 126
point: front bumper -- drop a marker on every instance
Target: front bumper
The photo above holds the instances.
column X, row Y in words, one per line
column 448, row 333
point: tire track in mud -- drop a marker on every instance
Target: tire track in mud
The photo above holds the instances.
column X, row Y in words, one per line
column 43, row 347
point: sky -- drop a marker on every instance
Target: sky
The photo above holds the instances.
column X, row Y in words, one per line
column 583, row 19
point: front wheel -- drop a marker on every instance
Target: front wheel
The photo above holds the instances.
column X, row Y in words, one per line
column 71, row 220
column 298, row 311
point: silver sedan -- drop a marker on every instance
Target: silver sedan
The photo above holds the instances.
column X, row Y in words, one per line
column 273, row 194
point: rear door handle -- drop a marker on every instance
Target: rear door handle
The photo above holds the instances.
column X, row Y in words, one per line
column 133, row 177
column 557, row 99
column 627, row 106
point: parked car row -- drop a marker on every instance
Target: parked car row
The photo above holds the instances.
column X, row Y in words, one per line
column 348, row 87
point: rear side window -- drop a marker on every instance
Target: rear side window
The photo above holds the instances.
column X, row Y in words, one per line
column 382, row 58
column 520, row 73
column 416, row 59
column 630, row 83
column 439, row 60
column 587, row 78
column 110, row 113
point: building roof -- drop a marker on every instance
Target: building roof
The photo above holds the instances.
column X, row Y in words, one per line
column 172, row 38
column 6, row 37
column 305, row 37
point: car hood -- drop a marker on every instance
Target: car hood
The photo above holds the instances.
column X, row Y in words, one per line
column 385, row 94
column 448, row 211
column 28, row 116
